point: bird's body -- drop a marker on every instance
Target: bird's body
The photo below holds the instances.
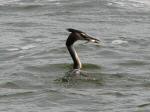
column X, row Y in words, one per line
column 73, row 37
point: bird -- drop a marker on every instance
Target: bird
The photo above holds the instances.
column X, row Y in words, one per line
column 73, row 37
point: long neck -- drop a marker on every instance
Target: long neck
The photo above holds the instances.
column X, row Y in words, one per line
column 75, row 57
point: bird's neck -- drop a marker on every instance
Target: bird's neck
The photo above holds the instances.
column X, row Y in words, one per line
column 75, row 57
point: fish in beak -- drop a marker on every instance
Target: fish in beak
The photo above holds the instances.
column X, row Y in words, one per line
column 89, row 38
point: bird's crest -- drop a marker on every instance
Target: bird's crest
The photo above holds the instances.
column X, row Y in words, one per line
column 74, row 30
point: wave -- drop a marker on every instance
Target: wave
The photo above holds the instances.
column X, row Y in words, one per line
column 130, row 4
column 60, row 67
column 6, row 2
column 144, row 2
column 23, row 2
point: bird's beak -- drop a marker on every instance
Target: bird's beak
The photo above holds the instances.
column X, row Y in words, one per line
column 91, row 39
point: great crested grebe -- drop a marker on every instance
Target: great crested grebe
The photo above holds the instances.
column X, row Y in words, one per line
column 72, row 38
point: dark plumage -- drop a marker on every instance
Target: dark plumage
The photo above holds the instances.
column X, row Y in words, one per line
column 74, row 30
column 72, row 38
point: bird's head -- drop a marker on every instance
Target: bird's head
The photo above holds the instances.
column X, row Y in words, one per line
column 79, row 35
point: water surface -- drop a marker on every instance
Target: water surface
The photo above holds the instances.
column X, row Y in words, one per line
column 33, row 55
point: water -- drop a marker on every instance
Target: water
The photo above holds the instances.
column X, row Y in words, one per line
column 33, row 55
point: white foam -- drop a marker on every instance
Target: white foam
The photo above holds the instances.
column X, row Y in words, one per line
column 118, row 42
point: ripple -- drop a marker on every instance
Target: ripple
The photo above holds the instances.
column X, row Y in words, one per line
column 6, row 2
column 60, row 67
column 36, row 37
column 91, row 66
column 47, row 67
column 116, row 93
column 133, row 63
column 26, row 47
column 81, row 82
column 30, row 46
column 29, row 6
column 15, row 92
column 20, row 6
column 10, row 55
column 13, row 49
column 9, row 85
column 144, row 105
column 22, row 24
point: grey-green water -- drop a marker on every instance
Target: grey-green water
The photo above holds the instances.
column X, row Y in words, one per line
column 33, row 56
